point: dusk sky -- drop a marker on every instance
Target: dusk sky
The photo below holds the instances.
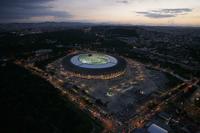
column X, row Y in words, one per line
column 136, row 12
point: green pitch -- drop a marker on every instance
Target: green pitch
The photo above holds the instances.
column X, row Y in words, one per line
column 93, row 59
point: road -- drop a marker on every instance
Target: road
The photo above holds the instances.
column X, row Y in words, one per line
column 110, row 124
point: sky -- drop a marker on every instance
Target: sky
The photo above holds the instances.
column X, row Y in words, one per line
column 135, row 12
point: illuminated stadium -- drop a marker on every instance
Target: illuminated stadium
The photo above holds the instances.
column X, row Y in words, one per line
column 94, row 66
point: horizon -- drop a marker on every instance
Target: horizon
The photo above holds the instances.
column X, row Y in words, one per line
column 104, row 24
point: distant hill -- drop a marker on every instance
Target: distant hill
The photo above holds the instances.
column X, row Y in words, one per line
column 46, row 26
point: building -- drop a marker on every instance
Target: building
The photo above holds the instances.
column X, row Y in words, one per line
column 156, row 129
column 94, row 66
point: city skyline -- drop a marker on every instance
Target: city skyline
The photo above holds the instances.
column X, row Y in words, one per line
column 135, row 12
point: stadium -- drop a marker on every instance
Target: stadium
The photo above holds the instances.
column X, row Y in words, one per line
column 94, row 66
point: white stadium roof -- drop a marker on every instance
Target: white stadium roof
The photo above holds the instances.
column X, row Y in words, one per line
column 94, row 61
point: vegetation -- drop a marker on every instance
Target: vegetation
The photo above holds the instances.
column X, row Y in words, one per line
column 29, row 104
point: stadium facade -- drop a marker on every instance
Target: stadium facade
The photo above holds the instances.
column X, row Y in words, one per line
column 94, row 66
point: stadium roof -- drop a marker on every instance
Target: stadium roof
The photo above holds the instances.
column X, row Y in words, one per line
column 94, row 61
column 92, row 66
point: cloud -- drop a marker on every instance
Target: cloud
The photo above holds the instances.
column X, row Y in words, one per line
column 123, row 1
column 12, row 10
column 165, row 13
column 155, row 15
